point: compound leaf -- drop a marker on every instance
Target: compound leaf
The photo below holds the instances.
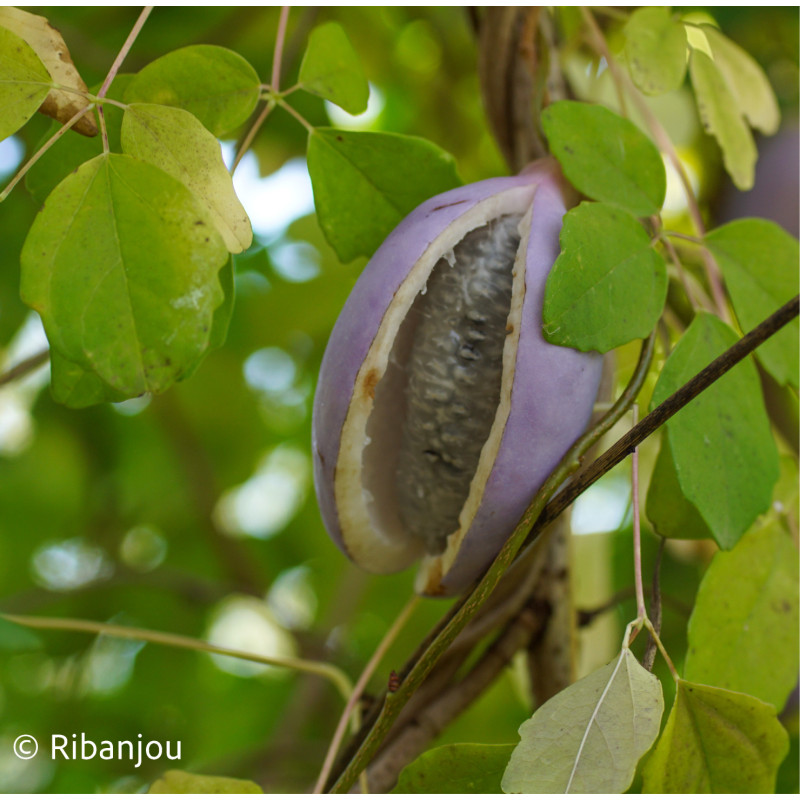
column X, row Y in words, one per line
column 655, row 45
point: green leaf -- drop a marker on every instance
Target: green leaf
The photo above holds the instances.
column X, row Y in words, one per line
column 173, row 140
column 670, row 513
column 605, row 156
column 16, row 638
column 589, row 737
column 176, row 781
column 655, row 45
column 743, row 632
column 716, row 741
column 725, row 458
column 21, row 77
column 721, row 118
column 75, row 387
column 123, row 270
column 608, row 286
column 215, row 84
column 760, row 263
column 72, row 150
column 331, row 69
column 365, row 183
column 746, row 80
column 456, row 769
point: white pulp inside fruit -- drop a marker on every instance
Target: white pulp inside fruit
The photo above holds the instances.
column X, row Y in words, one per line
column 371, row 509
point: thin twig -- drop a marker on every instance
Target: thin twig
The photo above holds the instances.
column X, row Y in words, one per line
column 330, row 671
column 297, row 115
column 251, row 134
column 649, row 657
column 361, row 685
column 277, row 58
column 24, row 367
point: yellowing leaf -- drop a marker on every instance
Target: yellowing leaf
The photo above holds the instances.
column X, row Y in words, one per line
column 746, row 81
column 175, row 141
column 21, row 77
column 720, row 115
column 655, row 45
column 176, row 781
column 589, row 737
column 716, row 741
column 51, row 48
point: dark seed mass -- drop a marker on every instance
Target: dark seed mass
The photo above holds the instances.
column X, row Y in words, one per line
column 454, row 374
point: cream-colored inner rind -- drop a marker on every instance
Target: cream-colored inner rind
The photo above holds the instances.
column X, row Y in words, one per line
column 365, row 481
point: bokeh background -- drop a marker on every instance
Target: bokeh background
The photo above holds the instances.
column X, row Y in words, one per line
column 194, row 513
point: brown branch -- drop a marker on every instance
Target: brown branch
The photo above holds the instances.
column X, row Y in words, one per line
column 24, row 367
column 656, row 418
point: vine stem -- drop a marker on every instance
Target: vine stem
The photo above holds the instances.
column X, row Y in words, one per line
column 663, row 650
column 330, row 671
column 24, row 367
column 112, row 73
column 251, row 134
column 297, row 115
column 361, row 685
column 665, row 144
column 641, row 609
column 277, row 57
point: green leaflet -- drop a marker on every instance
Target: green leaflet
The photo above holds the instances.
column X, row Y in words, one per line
column 16, row 638
column 173, row 140
column 123, row 270
column 743, row 633
column 456, row 769
column 215, row 84
column 716, row 741
column 23, row 83
column 331, row 69
column 590, row 736
column 760, row 263
column 365, row 183
column 655, row 46
column 605, row 156
column 608, row 286
column 725, row 458
column 670, row 513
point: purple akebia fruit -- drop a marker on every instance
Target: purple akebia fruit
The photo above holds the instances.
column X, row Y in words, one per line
column 440, row 409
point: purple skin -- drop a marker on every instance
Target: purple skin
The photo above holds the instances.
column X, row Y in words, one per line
column 539, row 429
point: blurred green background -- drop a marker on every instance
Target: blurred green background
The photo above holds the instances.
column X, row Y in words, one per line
column 194, row 513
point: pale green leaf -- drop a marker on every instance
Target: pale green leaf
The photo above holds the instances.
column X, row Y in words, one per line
column 123, row 270
column 725, row 457
column 176, row 781
column 456, row 769
column 590, row 736
column 746, row 80
column 716, row 741
column 173, row 140
column 608, row 286
column 655, row 45
column 605, row 156
column 23, row 83
column 670, row 513
column 331, row 69
column 721, row 118
column 365, row 183
column 215, row 84
column 743, row 632
column 761, row 263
